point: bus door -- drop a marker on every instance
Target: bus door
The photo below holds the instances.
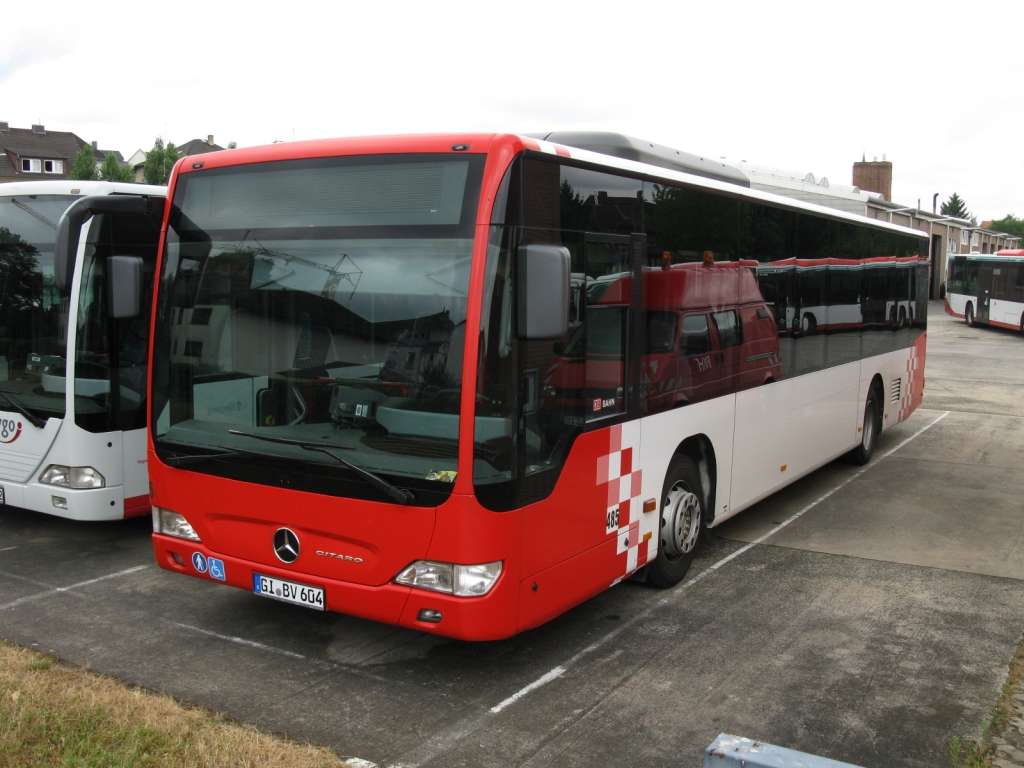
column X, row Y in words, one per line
column 609, row 296
column 730, row 351
column 985, row 278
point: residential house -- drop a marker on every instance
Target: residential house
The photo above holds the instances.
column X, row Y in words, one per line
column 35, row 153
column 193, row 147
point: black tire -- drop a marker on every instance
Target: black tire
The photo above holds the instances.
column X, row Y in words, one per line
column 869, row 430
column 808, row 325
column 1022, row 323
column 681, row 523
column 969, row 315
column 902, row 319
column 892, row 317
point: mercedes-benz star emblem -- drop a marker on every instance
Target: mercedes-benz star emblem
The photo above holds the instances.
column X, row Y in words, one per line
column 286, row 545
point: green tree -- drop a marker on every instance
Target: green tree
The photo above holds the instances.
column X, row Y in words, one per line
column 159, row 162
column 112, row 170
column 1009, row 224
column 232, row 144
column 84, row 168
column 955, row 206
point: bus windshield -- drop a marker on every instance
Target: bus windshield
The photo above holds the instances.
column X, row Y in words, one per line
column 317, row 300
column 33, row 311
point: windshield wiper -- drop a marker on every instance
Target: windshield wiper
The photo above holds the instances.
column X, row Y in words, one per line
column 33, row 212
column 34, row 420
column 184, row 459
column 393, row 492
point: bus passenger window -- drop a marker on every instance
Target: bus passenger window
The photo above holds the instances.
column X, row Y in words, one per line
column 694, row 339
column 661, row 332
column 728, row 326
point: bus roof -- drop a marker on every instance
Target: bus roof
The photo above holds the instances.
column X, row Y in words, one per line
column 509, row 144
column 75, row 187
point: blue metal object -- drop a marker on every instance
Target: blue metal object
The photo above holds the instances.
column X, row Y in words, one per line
column 737, row 752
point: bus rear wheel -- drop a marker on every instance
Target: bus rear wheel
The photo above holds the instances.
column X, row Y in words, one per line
column 682, row 519
column 969, row 315
column 869, row 430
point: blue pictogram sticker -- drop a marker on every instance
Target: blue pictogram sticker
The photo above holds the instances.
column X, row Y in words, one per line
column 199, row 562
column 217, row 569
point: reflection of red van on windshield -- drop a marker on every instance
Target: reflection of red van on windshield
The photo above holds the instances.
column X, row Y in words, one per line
column 708, row 333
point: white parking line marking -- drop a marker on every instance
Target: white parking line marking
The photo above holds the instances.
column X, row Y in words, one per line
column 59, row 590
column 556, row 672
column 6, row 549
column 239, row 640
column 438, row 744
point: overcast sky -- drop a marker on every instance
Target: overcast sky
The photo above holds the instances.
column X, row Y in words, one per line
column 936, row 87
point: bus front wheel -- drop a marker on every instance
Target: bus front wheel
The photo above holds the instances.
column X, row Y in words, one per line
column 969, row 315
column 682, row 519
column 869, row 430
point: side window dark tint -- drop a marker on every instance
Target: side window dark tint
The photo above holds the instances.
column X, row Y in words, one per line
column 695, row 339
column 557, row 196
column 661, row 331
column 730, row 334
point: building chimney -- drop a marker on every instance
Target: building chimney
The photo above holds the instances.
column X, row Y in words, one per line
column 209, row 139
column 4, row 126
column 38, row 129
column 874, row 177
column 94, row 146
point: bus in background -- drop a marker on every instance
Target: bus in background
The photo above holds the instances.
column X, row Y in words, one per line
column 841, row 294
column 350, row 345
column 987, row 289
column 72, row 378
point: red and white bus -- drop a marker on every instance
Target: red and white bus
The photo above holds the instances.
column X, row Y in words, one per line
column 987, row 288
column 462, row 383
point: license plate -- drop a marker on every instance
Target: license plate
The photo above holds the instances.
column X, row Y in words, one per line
column 288, row 591
column 3, row 499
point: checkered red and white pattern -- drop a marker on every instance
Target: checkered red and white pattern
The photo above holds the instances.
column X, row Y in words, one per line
column 914, row 389
column 620, row 473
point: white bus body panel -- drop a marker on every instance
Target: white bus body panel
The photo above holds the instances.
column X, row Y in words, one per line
column 800, row 424
column 791, row 426
column 74, row 446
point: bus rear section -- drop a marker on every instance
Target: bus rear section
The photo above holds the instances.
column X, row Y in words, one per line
column 463, row 383
column 72, row 377
column 987, row 289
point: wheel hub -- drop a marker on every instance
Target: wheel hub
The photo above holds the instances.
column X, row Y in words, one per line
column 680, row 521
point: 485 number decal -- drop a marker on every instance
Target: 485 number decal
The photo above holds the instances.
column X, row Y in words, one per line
column 611, row 522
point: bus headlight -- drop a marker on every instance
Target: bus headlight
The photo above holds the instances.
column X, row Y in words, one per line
column 172, row 524
column 460, row 580
column 72, row 477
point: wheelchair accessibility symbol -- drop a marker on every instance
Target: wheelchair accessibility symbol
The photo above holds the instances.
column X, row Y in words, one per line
column 217, row 569
column 199, row 562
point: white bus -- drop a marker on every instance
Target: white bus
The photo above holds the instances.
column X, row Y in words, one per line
column 72, row 376
column 987, row 288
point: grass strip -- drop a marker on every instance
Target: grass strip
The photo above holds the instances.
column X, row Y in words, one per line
column 981, row 753
column 56, row 715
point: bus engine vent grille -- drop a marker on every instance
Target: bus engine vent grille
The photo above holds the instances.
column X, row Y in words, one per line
column 895, row 390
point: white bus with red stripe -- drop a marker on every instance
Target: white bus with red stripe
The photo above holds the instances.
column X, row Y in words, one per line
column 72, row 377
column 987, row 289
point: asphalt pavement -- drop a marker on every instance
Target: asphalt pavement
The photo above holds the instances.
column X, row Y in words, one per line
column 866, row 614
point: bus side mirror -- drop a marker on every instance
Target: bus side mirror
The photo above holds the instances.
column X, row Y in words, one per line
column 69, row 228
column 543, row 288
column 124, row 286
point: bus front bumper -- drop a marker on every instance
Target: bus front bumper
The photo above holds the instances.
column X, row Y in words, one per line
column 74, row 504
column 491, row 617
